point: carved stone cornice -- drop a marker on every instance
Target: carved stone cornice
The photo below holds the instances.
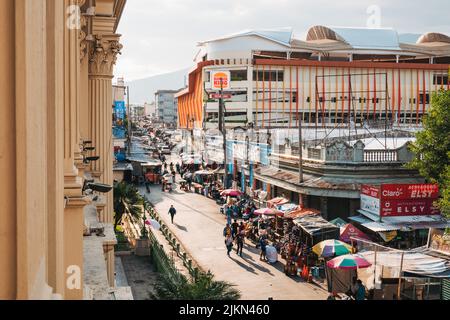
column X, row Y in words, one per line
column 103, row 55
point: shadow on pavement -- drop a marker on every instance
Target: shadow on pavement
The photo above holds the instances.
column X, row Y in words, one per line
column 182, row 228
column 243, row 265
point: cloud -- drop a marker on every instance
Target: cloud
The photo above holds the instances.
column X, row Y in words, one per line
column 161, row 36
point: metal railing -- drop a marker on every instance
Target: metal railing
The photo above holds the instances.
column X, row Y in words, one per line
column 188, row 262
column 380, row 156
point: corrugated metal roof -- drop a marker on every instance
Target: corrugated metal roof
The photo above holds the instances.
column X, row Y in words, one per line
column 367, row 38
column 282, row 35
column 380, row 227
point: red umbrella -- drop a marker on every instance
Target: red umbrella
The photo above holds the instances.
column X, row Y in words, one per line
column 231, row 193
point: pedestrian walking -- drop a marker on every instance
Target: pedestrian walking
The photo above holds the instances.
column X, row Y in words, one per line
column 263, row 247
column 172, row 212
column 229, row 213
column 227, row 231
column 147, row 185
column 240, row 238
column 229, row 244
column 234, row 229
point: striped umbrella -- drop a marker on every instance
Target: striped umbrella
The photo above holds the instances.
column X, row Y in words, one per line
column 349, row 262
column 331, row 248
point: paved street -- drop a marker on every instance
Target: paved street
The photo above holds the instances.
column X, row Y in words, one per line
column 199, row 225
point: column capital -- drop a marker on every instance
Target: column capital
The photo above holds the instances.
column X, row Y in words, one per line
column 103, row 55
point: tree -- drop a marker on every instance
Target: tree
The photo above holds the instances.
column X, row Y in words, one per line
column 127, row 200
column 178, row 287
column 432, row 147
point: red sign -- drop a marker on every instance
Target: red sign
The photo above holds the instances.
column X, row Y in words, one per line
column 409, row 191
column 403, row 199
column 218, row 96
column 411, row 207
column 370, row 191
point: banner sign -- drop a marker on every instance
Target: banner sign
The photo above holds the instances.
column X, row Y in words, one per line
column 397, row 200
column 120, row 112
column 409, row 191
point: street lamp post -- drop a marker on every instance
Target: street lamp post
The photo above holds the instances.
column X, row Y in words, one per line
column 222, row 129
column 129, row 121
column 300, row 149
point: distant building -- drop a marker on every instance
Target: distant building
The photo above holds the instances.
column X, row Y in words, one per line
column 167, row 107
column 150, row 109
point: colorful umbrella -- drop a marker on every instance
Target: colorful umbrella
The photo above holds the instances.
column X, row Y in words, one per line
column 349, row 262
column 153, row 223
column 268, row 212
column 231, row 193
column 331, row 248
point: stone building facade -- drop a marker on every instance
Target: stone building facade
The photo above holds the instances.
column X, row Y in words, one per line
column 57, row 62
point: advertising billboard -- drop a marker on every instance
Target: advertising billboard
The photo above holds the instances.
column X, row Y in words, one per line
column 399, row 200
column 220, row 80
column 120, row 112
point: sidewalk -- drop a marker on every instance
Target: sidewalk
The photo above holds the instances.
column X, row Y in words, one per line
column 199, row 226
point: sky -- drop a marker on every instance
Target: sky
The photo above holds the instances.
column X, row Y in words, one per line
column 161, row 36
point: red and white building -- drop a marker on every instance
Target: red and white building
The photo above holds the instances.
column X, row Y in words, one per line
column 334, row 75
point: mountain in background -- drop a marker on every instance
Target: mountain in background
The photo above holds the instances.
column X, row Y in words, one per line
column 143, row 90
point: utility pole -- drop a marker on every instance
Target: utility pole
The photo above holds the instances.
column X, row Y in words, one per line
column 300, row 150
column 129, row 121
column 222, row 129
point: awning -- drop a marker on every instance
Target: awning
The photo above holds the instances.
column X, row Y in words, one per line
column 314, row 224
column 410, row 222
column 380, row 227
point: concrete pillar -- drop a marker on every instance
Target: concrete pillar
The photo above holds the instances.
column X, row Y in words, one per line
column 102, row 58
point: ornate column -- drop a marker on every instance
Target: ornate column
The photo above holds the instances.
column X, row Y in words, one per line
column 102, row 57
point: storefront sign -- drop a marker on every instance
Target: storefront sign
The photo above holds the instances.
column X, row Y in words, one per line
column 370, row 191
column 398, row 200
column 370, row 204
column 409, row 191
column 220, row 80
column 413, row 207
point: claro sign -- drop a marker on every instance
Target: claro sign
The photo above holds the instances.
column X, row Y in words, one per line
column 395, row 200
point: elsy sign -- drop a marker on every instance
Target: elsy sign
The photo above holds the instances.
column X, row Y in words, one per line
column 396, row 200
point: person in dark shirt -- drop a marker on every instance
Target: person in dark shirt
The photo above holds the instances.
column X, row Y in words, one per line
column 172, row 212
column 234, row 227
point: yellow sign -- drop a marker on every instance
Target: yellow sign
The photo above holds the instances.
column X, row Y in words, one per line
column 221, row 80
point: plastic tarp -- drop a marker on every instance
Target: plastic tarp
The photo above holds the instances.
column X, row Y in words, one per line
column 413, row 262
column 315, row 224
column 349, row 231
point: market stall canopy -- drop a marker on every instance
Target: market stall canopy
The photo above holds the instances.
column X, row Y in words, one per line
column 331, row 248
column 315, row 224
column 204, row 173
column 277, row 202
column 349, row 262
column 152, row 163
column 301, row 212
column 288, row 207
column 231, row 193
column 348, row 231
column 268, row 212
column 338, row 222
